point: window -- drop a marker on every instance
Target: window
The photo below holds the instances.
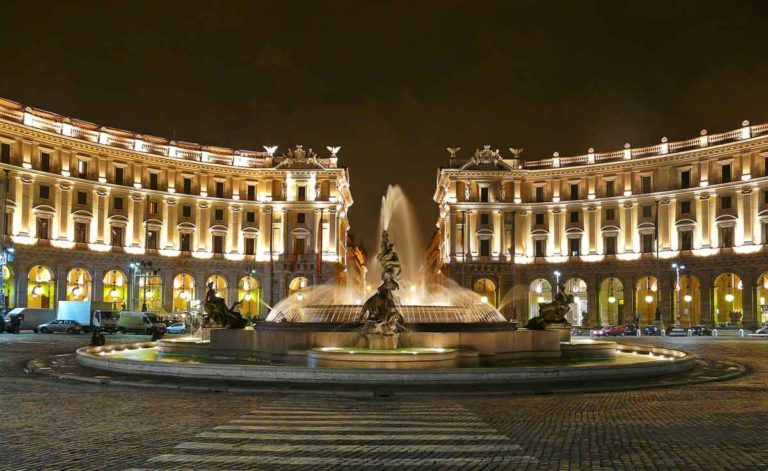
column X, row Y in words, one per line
column 647, row 211
column 45, row 162
column 299, row 246
column 610, row 188
column 154, row 207
column 250, row 246
column 218, row 244
column 685, row 207
column 574, row 215
column 119, row 175
column 685, row 179
column 81, row 233
column 484, row 194
column 45, row 192
column 218, row 214
column 765, row 197
column 610, row 214
column 539, row 194
column 539, row 219
column 646, row 184
column 574, row 191
column 43, row 228
column 301, row 194
column 574, row 247
column 116, row 237
column 725, row 202
column 186, row 184
column 301, row 218
column 726, row 237
column 219, row 189
column 725, row 173
column 540, row 248
column 5, row 153
column 485, row 247
column 153, row 178
column 251, row 192
column 186, row 241
column 484, row 218
column 153, row 239
column 646, row 243
column 686, row 240
column 118, row 203
column 82, row 169
column 610, row 245
column 186, row 211
column 250, row 216
column 82, row 198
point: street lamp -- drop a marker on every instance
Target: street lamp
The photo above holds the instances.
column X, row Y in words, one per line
column 557, row 281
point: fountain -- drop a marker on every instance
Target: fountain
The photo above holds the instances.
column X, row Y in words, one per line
column 328, row 333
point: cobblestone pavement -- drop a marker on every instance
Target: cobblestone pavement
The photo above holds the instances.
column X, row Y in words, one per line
column 49, row 424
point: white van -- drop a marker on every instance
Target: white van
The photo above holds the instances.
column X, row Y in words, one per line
column 89, row 314
column 31, row 317
column 139, row 323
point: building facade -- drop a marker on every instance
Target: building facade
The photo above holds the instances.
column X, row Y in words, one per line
column 674, row 232
column 109, row 215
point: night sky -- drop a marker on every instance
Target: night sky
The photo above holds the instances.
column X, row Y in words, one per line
column 394, row 83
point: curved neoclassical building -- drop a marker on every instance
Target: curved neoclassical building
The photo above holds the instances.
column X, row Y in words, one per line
column 110, row 215
column 614, row 226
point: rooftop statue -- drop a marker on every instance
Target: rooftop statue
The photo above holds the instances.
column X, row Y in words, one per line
column 217, row 312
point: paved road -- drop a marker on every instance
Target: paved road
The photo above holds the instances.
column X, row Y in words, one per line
column 48, row 424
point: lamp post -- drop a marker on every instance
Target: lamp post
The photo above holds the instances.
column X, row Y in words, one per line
column 557, row 281
column 6, row 253
column 677, row 267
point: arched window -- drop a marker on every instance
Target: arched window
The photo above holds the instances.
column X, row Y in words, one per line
column 41, row 287
column 183, row 292
column 297, row 284
column 540, row 291
column 728, row 299
column 9, row 288
column 611, row 302
column 762, row 298
column 487, row 290
column 646, row 299
column 115, row 288
column 249, row 296
column 148, row 289
column 688, row 301
column 79, row 285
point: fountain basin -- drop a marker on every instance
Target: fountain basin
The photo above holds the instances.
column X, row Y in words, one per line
column 371, row 358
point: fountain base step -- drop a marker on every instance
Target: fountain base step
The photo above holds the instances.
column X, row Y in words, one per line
column 409, row 358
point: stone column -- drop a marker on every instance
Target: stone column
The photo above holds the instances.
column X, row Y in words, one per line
column 64, row 209
column 203, row 223
column 332, row 234
column 663, row 228
column 502, row 236
column 706, row 293
column 702, row 216
column 164, row 241
column 557, row 229
column 454, row 239
column 101, row 214
column 748, row 305
column 171, row 223
column 630, row 316
column 138, row 220
column 316, row 225
column 234, row 229
column 745, row 216
column 24, row 200
column 286, row 233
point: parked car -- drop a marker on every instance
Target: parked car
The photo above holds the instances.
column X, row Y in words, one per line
column 677, row 331
column 761, row 331
column 620, row 330
column 30, row 317
column 70, row 327
column 177, row 328
column 600, row 332
column 139, row 322
column 651, row 330
column 700, row 330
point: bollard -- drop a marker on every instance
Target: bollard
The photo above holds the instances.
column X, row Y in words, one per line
column 690, row 332
column 663, row 332
column 714, row 333
column 639, row 333
column 741, row 333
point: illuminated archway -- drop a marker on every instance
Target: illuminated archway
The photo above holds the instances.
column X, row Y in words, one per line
column 219, row 285
column 115, row 288
column 728, row 306
column 646, row 299
column 687, row 306
column 79, row 285
column 611, row 302
column 762, row 298
column 9, row 288
column 577, row 288
column 297, row 284
column 540, row 291
column 183, row 292
column 487, row 290
column 248, row 295
column 148, row 290
column 41, row 287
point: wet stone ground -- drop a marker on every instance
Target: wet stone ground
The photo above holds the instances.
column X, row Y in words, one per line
column 47, row 423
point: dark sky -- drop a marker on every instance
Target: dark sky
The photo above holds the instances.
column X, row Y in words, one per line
column 394, row 83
